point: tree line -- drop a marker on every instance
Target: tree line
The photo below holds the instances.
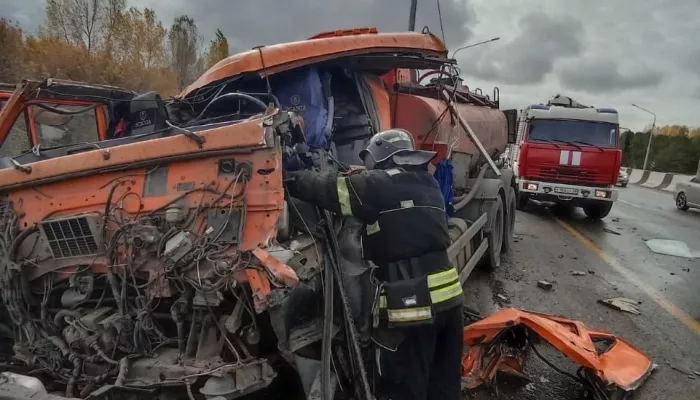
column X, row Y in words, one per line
column 103, row 41
column 674, row 148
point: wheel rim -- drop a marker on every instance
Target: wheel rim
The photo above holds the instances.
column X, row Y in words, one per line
column 680, row 200
column 498, row 231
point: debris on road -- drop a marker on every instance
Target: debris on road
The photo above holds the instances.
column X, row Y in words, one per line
column 669, row 247
column 685, row 371
column 578, row 273
column 499, row 344
column 590, row 271
column 503, row 298
column 545, row 285
column 611, row 231
column 623, row 304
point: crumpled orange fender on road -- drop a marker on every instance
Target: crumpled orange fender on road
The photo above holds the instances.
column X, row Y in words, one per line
column 619, row 365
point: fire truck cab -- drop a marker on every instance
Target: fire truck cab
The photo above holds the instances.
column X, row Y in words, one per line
column 568, row 153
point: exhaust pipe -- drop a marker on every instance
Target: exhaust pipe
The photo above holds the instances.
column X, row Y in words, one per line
column 412, row 16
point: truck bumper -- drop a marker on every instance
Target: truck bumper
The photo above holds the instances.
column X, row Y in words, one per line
column 548, row 191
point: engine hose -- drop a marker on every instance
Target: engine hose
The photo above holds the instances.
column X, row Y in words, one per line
column 102, row 354
column 61, row 344
column 18, row 240
column 77, row 366
column 472, row 191
column 352, row 329
column 327, row 331
column 59, row 318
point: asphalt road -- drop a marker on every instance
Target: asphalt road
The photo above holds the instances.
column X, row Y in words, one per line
column 549, row 244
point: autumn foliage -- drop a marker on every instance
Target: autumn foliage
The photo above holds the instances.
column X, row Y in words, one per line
column 103, row 41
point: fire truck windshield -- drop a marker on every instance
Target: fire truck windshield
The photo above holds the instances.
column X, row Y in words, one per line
column 582, row 133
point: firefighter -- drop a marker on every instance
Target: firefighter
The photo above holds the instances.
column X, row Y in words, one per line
column 417, row 313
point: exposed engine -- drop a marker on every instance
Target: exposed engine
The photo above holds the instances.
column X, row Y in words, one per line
column 120, row 299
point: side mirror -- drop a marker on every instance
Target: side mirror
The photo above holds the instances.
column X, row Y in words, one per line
column 512, row 121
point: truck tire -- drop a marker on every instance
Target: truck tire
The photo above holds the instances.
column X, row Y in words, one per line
column 496, row 235
column 523, row 200
column 598, row 210
column 510, row 220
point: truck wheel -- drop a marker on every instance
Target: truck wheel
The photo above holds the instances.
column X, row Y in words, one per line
column 598, row 210
column 523, row 199
column 495, row 237
column 681, row 201
column 509, row 230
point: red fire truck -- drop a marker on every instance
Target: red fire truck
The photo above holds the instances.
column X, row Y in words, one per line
column 568, row 153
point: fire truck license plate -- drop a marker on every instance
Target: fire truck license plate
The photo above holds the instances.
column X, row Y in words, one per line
column 565, row 190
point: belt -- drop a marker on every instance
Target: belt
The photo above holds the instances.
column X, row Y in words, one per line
column 415, row 267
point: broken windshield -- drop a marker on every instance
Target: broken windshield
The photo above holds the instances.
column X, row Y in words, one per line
column 583, row 133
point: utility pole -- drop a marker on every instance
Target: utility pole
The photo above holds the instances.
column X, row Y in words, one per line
column 412, row 16
column 651, row 134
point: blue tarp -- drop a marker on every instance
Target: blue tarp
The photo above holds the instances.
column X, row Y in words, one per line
column 302, row 92
column 443, row 174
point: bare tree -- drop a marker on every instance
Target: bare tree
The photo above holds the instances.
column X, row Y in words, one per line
column 83, row 22
column 184, row 42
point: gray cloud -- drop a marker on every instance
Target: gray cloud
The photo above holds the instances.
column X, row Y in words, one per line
column 530, row 55
column 603, row 76
column 263, row 22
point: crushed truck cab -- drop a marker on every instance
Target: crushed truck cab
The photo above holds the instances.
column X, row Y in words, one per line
column 149, row 247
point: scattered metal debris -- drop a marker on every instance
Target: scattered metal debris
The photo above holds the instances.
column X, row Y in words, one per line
column 623, row 304
column 499, row 344
column 503, row 298
column 578, row 273
column 669, row 247
column 545, row 285
column 611, row 231
column 590, row 271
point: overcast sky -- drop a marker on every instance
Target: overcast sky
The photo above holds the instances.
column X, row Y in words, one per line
column 601, row 52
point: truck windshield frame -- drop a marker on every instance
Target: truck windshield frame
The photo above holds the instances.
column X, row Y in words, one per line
column 581, row 132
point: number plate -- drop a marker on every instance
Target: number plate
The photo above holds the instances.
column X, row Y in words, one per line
column 565, row 190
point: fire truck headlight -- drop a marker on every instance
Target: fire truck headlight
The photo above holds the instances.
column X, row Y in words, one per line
column 601, row 193
column 531, row 186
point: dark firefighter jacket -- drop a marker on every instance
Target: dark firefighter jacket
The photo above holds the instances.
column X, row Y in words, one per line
column 403, row 210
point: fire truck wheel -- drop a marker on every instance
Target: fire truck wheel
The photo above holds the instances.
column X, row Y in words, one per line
column 523, row 199
column 510, row 220
column 598, row 210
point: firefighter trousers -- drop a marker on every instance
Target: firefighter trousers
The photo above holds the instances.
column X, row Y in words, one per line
column 427, row 364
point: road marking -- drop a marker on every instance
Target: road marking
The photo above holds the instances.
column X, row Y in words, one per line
column 630, row 204
column 663, row 302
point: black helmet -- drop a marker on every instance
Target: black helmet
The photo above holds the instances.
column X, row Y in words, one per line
column 396, row 144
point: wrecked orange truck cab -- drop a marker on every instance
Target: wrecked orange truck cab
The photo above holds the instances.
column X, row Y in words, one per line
column 609, row 367
column 161, row 256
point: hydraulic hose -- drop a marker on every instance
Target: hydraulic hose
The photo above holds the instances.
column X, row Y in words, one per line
column 327, row 331
column 472, row 192
column 349, row 321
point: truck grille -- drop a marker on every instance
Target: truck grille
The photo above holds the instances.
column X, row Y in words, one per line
column 72, row 237
column 570, row 175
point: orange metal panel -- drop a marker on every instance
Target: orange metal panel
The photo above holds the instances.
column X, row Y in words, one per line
column 621, row 365
column 248, row 134
column 381, row 100
column 315, row 50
